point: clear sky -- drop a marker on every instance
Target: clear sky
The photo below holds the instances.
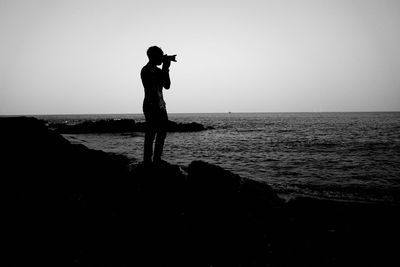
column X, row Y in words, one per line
column 81, row 56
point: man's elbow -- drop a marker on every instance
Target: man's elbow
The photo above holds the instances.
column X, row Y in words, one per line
column 167, row 86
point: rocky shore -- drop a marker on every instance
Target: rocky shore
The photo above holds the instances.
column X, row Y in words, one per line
column 70, row 205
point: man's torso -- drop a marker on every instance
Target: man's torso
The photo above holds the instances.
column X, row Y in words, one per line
column 152, row 80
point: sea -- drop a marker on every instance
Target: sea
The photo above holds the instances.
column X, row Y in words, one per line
column 340, row 156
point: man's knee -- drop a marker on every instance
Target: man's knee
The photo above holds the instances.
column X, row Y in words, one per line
column 161, row 134
column 149, row 136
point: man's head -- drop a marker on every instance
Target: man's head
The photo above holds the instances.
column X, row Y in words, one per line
column 155, row 55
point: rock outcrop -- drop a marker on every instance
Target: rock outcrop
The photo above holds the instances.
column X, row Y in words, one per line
column 88, row 207
column 121, row 126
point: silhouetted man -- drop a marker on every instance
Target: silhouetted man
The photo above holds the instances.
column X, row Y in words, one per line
column 154, row 80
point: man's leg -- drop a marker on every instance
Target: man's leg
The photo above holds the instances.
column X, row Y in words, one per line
column 161, row 134
column 148, row 145
column 158, row 147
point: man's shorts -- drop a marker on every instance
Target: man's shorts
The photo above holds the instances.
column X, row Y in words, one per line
column 156, row 119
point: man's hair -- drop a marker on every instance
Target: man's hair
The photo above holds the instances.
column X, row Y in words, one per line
column 154, row 51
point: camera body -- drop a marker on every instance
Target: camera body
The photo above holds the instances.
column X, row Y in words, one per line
column 169, row 58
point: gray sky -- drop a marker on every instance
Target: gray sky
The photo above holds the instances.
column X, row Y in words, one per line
column 240, row 56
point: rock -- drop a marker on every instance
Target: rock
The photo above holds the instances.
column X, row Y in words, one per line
column 222, row 216
column 121, row 126
column 218, row 185
column 88, row 207
column 59, row 195
column 66, row 204
column 187, row 127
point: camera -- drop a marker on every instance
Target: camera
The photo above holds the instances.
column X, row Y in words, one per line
column 169, row 58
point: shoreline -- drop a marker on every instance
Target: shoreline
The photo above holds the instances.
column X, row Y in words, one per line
column 88, row 207
column 341, row 192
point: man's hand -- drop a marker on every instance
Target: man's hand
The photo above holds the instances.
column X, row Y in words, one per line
column 166, row 64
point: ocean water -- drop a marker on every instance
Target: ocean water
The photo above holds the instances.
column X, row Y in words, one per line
column 341, row 156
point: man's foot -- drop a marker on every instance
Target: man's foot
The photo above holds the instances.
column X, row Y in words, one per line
column 147, row 163
column 160, row 162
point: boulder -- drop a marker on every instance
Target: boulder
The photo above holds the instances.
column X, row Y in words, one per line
column 59, row 195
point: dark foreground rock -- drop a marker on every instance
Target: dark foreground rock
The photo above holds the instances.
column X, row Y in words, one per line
column 121, row 126
column 69, row 205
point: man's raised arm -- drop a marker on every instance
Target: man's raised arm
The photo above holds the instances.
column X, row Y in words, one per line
column 165, row 74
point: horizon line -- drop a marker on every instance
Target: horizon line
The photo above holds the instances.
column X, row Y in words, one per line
column 226, row 112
